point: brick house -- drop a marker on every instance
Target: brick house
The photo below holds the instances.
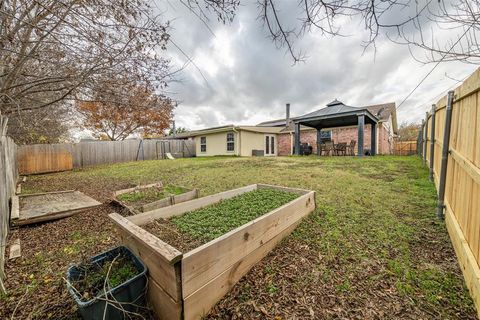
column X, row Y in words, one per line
column 386, row 130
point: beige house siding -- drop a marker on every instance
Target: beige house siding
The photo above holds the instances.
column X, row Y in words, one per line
column 217, row 144
column 245, row 142
column 254, row 141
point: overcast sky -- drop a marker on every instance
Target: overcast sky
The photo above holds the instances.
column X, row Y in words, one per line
column 245, row 79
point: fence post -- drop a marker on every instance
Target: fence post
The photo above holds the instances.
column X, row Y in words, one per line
column 445, row 152
column 432, row 142
column 425, row 140
column 420, row 140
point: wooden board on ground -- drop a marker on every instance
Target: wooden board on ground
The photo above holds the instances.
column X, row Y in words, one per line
column 15, row 250
column 15, row 214
column 35, row 208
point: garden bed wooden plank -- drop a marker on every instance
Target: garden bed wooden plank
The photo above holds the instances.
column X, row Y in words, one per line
column 204, row 263
column 157, row 204
column 191, row 205
column 159, row 257
column 169, row 200
column 119, row 192
column 201, row 301
column 281, row 188
column 186, row 196
column 162, row 303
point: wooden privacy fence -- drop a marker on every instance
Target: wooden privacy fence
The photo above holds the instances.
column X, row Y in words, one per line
column 451, row 149
column 41, row 158
column 405, row 148
column 8, row 180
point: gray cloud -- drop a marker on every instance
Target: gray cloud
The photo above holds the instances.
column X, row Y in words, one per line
column 250, row 80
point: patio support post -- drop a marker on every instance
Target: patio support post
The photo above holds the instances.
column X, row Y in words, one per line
column 361, row 127
column 319, row 141
column 432, row 142
column 297, row 138
column 445, row 152
column 373, row 138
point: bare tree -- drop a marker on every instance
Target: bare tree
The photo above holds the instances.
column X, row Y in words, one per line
column 413, row 23
column 51, row 124
column 54, row 50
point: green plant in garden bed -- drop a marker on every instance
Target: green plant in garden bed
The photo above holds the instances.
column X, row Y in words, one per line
column 93, row 284
column 213, row 221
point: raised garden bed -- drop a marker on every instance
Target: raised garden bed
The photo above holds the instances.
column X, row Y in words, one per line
column 152, row 196
column 221, row 237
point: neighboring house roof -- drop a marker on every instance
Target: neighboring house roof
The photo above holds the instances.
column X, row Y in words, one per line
column 226, row 128
column 384, row 111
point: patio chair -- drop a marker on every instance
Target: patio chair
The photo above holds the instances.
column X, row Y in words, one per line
column 341, row 149
column 351, row 147
column 327, row 148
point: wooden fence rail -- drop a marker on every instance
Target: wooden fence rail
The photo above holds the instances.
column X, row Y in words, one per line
column 460, row 182
column 41, row 158
column 8, row 180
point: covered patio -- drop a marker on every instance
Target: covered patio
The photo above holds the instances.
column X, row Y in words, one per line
column 335, row 115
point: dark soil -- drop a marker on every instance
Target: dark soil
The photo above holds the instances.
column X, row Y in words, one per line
column 168, row 232
column 95, row 279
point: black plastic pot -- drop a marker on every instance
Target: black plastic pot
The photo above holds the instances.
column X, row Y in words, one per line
column 128, row 296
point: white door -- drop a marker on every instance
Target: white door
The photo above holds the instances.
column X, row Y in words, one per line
column 270, row 145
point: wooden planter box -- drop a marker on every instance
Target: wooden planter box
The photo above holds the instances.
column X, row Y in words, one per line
column 187, row 285
column 165, row 202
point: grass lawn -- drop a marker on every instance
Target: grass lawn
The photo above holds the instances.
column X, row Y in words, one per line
column 372, row 249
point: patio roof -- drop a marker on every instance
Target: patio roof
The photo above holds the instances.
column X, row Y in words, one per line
column 335, row 114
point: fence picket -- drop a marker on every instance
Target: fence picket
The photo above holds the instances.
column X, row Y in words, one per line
column 8, row 181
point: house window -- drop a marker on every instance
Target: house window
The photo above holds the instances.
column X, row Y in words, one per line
column 230, row 141
column 272, row 145
column 203, row 144
column 267, row 145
